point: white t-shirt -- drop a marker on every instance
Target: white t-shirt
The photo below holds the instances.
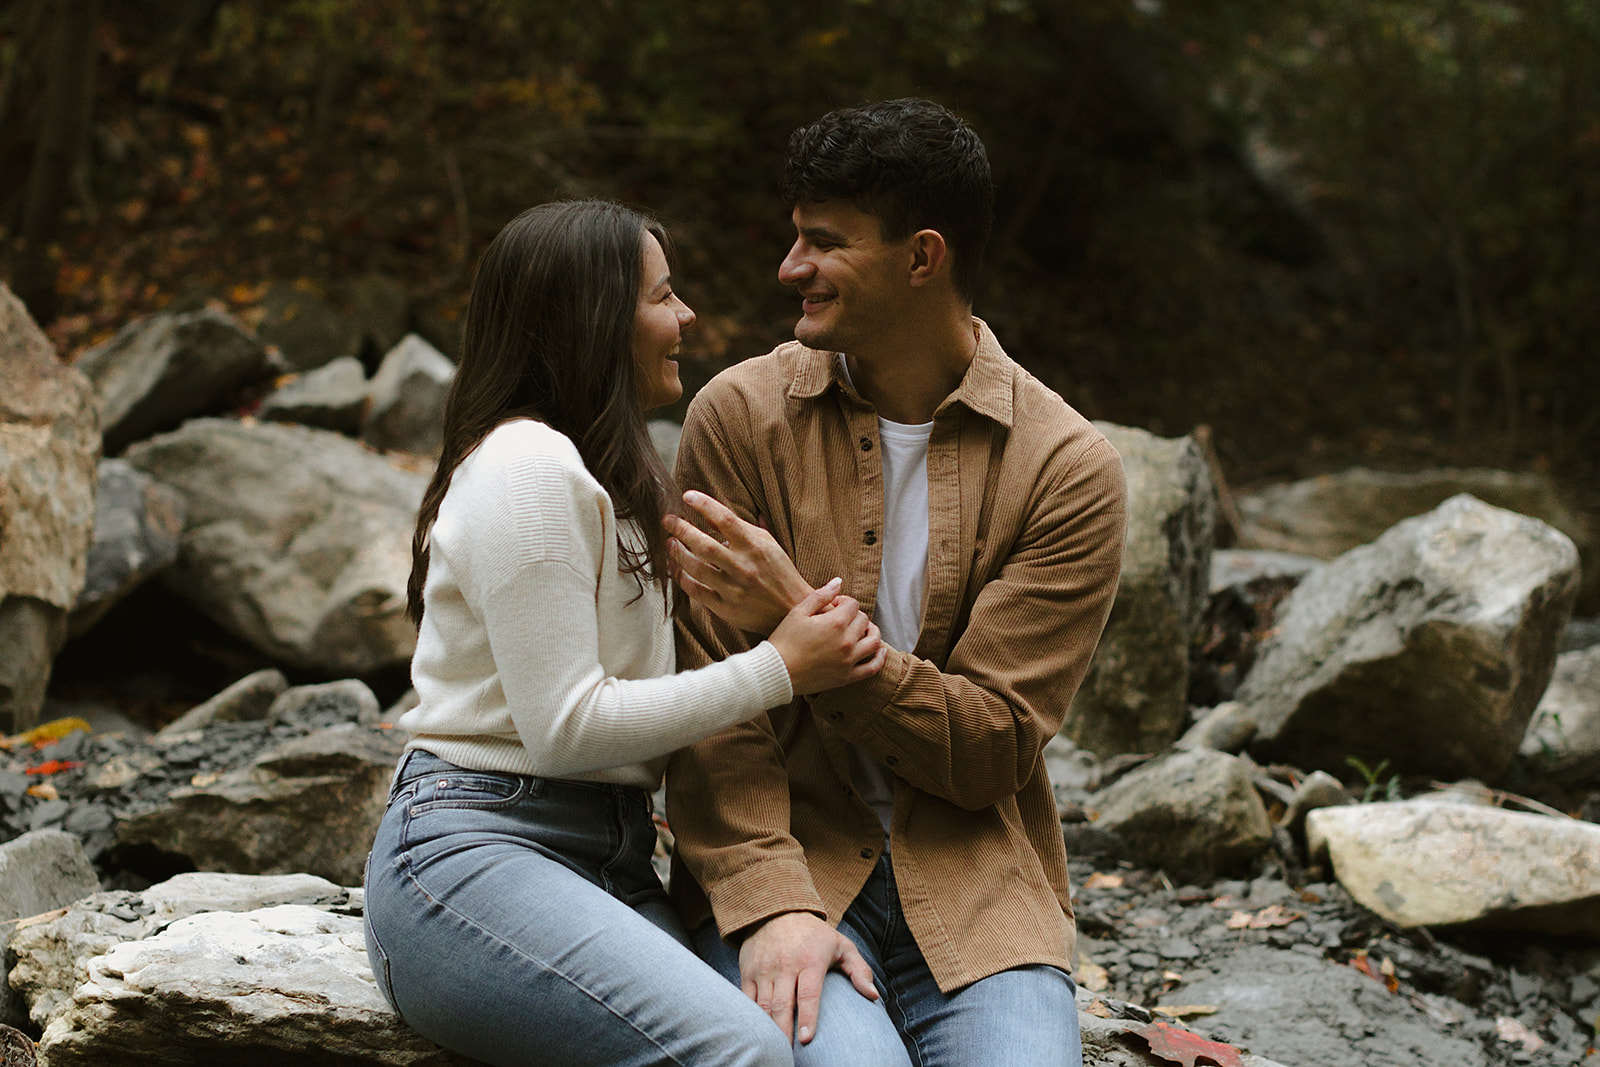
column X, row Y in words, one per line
column 903, row 578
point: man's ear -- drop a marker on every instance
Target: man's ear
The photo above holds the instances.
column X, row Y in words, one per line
column 930, row 256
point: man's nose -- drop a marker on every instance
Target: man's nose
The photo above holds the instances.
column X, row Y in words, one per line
column 795, row 267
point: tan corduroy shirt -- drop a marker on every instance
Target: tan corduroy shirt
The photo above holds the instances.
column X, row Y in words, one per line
column 1026, row 520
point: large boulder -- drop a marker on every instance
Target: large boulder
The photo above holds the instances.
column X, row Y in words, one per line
column 1440, row 862
column 213, row 968
column 407, row 398
column 1328, row 515
column 137, row 525
column 310, row 804
column 1563, row 739
column 1428, row 648
column 1194, row 814
column 39, row 871
column 298, row 540
column 1135, row 696
column 154, row 373
column 49, row 446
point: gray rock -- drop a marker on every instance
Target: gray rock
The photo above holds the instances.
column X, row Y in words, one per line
column 1317, row 790
column 158, row 371
column 1194, row 814
column 407, row 398
column 138, row 523
column 254, row 820
column 1563, row 739
column 326, row 704
column 49, row 445
column 1235, row 568
column 248, row 699
column 52, row 956
column 1135, row 697
column 333, row 397
column 39, row 872
column 298, row 540
column 1329, row 515
column 305, row 328
column 1581, row 634
column 1428, row 648
column 1227, row 727
column 282, row 984
column 1436, row 862
column 212, row 968
column 1311, row 1012
column 665, row 435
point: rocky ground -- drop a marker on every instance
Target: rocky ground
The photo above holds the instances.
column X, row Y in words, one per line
column 1281, row 963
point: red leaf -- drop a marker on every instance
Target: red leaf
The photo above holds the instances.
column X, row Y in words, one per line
column 54, row 766
column 1186, row 1047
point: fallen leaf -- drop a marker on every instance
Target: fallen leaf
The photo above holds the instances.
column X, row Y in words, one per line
column 45, row 733
column 1092, row 976
column 1512, row 1031
column 1185, row 1011
column 1097, row 880
column 44, row 791
column 1186, row 1047
column 1099, row 1009
column 205, row 778
column 42, row 917
column 54, row 766
column 1269, row 916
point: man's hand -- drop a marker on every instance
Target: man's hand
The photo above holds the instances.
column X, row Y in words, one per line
column 782, row 964
column 742, row 573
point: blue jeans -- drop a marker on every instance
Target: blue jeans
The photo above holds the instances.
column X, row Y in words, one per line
column 517, row 920
column 1025, row 1017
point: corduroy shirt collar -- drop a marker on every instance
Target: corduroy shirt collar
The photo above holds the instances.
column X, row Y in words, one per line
column 986, row 388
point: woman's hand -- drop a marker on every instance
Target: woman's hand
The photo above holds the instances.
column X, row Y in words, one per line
column 741, row 573
column 827, row 641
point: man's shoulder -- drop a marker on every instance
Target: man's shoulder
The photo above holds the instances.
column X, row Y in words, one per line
column 1043, row 416
column 755, row 388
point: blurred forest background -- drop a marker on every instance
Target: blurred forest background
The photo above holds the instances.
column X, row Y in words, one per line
column 1334, row 231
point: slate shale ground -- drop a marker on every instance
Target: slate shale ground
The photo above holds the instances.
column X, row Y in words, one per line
column 1327, row 981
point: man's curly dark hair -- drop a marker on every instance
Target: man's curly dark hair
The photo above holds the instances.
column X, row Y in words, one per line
column 912, row 163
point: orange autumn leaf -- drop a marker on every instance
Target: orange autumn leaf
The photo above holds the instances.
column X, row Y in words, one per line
column 54, row 766
column 1185, row 1047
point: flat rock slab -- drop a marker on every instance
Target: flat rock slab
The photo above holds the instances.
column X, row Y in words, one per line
column 1311, row 1012
column 1436, row 863
column 282, row 984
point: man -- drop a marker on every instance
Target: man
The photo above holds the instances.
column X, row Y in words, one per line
column 980, row 521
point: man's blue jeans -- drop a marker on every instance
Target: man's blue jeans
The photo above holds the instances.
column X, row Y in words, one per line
column 1026, row 1017
column 518, row 920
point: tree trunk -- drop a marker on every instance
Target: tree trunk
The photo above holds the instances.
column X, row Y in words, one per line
column 69, row 86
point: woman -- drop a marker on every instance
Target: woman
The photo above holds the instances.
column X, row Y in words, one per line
column 512, row 911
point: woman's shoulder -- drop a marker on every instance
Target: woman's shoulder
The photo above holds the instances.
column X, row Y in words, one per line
column 528, row 439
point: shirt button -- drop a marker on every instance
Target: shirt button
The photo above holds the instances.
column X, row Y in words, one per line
column 891, row 760
column 872, row 537
column 866, row 444
column 835, row 716
column 866, row 853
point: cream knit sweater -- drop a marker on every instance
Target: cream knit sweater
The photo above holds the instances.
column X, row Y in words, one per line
column 537, row 654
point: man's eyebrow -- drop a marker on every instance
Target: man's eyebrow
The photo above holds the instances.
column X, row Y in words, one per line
column 826, row 233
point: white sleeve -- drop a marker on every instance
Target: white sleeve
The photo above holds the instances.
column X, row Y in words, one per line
column 541, row 615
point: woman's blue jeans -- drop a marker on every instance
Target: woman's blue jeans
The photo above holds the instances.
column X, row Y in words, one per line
column 518, row 920
column 1024, row 1017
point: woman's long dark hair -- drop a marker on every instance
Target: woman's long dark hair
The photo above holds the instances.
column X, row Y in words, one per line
column 549, row 336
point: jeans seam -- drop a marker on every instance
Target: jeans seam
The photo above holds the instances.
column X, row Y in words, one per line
column 543, row 966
